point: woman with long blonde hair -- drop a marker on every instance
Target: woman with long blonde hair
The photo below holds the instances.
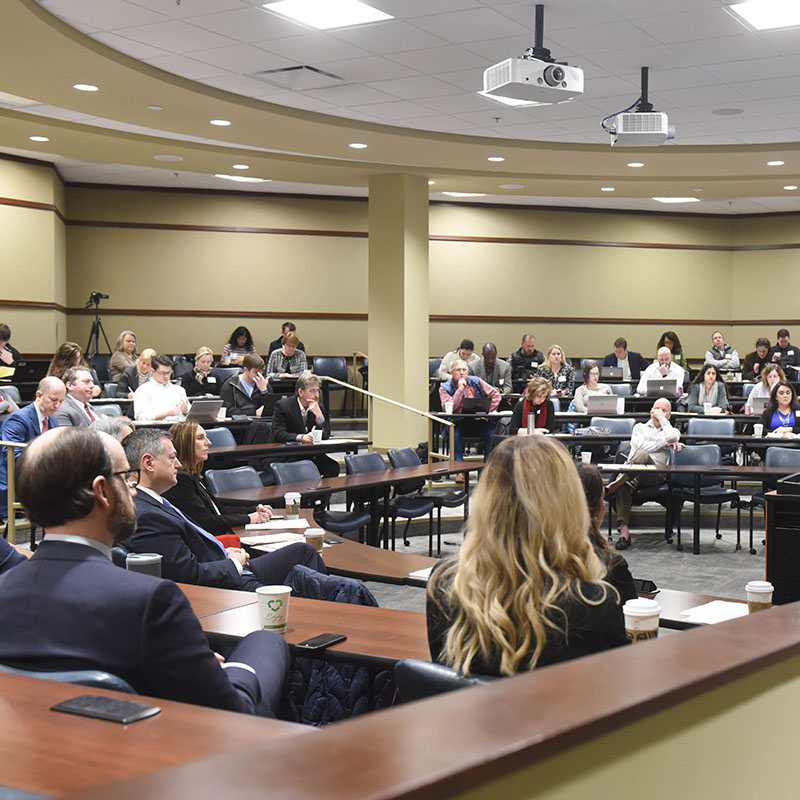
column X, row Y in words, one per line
column 527, row 588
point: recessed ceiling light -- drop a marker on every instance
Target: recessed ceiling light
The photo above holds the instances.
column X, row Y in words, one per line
column 464, row 194
column 790, row 188
column 222, row 123
column 39, row 138
column 431, row 183
column 677, row 199
column 511, row 101
column 168, row 158
column 607, row 189
column 154, row 108
column 775, row 163
column 242, row 178
column 325, row 14
column 511, row 186
column 495, row 158
column 636, row 163
column 357, row 145
column 241, row 166
column 766, row 14
column 85, row 87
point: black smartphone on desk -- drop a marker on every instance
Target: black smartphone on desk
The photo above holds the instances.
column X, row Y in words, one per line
column 321, row 642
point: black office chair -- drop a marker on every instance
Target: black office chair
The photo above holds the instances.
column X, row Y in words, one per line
column 12, row 393
column 620, row 425
column 711, row 489
column 417, row 679
column 333, row 367
column 407, row 457
column 401, row 506
column 110, row 389
column 774, row 457
column 108, row 409
column 335, row 521
column 101, row 364
column 231, row 480
column 181, row 366
column 700, row 426
column 621, row 389
column 220, row 437
column 223, row 373
column 96, row 678
column 433, row 366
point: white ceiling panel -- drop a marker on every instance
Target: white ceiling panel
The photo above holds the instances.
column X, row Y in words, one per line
column 416, row 87
column 128, row 46
column 364, row 70
column 176, row 36
column 248, row 25
column 391, row 112
column 190, row 9
column 241, row 84
column 440, row 123
column 408, row 9
column 722, row 50
column 187, row 67
column 313, row 48
column 469, row 25
column 103, row 14
column 244, row 58
column 394, row 36
column 458, row 103
column 351, row 95
column 300, row 100
column 558, row 16
column 636, row 9
column 714, row 96
column 755, row 69
column 441, row 59
column 594, row 39
column 689, row 27
column 777, row 87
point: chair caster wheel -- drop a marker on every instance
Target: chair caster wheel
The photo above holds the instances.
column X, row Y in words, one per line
column 406, row 543
column 668, row 539
column 752, row 551
column 679, row 548
column 719, row 536
column 738, row 547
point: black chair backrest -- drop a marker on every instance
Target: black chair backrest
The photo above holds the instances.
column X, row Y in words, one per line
column 406, row 457
column 229, row 480
column 11, row 393
column 364, row 462
column 110, row 388
column 101, row 364
column 295, row 472
column 419, row 679
column 119, row 555
column 220, row 437
column 108, row 409
column 696, row 454
column 95, row 678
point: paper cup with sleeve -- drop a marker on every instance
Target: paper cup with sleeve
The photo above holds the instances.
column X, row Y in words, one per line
column 759, row 596
column 273, row 607
column 292, row 501
column 641, row 619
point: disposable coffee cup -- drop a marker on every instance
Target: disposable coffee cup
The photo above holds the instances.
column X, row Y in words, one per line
column 146, row 563
column 641, row 619
column 293, row 505
column 759, row 596
column 448, row 407
column 586, row 458
column 315, row 539
column 707, row 408
column 221, row 413
column 531, row 423
column 758, row 429
column 273, row 607
column 317, row 434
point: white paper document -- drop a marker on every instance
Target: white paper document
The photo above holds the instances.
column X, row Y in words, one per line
column 272, row 538
column 423, row 574
column 715, row 611
column 279, row 525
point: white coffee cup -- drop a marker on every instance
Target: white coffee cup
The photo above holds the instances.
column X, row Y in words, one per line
column 759, row 596
column 448, row 407
column 641, row 619
column 273, row 607
column 707, row 408
column 292, row 501
column 586, row 458
column 146, row 563
column 758, row 429
column 316, row 433
column 221, row 413
column 315, row 538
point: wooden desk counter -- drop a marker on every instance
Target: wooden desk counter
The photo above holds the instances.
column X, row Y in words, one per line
column 55, row 754
column 277, row 450
column 207, row 600
column 374, row 635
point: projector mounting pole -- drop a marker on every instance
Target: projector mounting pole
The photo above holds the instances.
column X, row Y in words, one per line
column 643, row 104
column 539, row 50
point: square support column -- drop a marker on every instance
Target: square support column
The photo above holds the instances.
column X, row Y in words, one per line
column 398, row 307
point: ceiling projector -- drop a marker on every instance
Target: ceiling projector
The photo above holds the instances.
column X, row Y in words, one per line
column 533, row 80
column 641, row 128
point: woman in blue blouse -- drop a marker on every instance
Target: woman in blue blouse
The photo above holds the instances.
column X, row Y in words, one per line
column 781, row 416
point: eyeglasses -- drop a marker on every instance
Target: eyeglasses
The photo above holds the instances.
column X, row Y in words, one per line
column 130, row 476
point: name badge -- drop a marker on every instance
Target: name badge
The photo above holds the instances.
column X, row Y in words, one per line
column 790, row 352
column 534, row 364
column 502, row 381
column 211, row 379
column 562, row 378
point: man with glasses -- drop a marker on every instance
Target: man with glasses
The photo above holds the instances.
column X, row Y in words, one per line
column 158, row 398
column 69, row 607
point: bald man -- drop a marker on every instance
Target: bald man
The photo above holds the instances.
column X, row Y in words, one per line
column 651, row 443
column 28, row 423
column 663, row 368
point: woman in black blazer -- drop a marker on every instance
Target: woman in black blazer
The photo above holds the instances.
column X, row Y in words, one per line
column 192, row 497
column 200, row 380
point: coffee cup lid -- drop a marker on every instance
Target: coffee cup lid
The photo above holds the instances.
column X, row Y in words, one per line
column 641, row 607
column 759, row 586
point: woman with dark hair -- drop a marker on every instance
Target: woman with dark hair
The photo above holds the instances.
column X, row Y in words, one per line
column 618, row 574
column 70, row 355
column 527, row 588
column 780, row 416
column 190, row 494
column 537, row 402
column 670, row 340
column 708, row 388
column 238, row 346
column 770, row 375
column 590, row 386
column 754, row 363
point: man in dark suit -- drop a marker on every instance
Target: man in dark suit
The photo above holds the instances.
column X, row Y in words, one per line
column 69, row 607
column 294, row 419
column 632, row 363
column 191, row 554
column 75, row 411
column 27, row 423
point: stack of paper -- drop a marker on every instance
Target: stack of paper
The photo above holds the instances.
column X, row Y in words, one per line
column 422, row 574
column 278, row 525
column 715, row 611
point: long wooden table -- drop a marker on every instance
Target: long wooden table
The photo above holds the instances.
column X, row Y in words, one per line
column 220, row 456
column 51, row 753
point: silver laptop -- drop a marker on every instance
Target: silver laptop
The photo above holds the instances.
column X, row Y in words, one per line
column 759, row 404
column 662, row 388
column 610, row 373
column 603, row 404
column 205, row 410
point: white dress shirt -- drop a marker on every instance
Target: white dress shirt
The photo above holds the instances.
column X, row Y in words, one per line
column 646, row 438
column 653, row 373
column 153, row 398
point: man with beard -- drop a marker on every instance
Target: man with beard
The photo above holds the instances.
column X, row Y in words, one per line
column 69, row 607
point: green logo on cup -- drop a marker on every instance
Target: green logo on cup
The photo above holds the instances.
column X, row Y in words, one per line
column 274, row 604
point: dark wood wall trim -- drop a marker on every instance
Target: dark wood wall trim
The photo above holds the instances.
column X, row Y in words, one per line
column 12, row 201
column 34, row 162
column 162, row 226
column 38, row 305
column 183, row 312
column 581, row 243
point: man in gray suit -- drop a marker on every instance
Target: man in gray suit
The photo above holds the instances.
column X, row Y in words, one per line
column 488, row 368
column 75, row 411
